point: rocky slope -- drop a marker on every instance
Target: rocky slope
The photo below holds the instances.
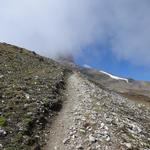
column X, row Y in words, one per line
column 138, row 91
column 29, row 96
column 92, row 111
column 96, row 119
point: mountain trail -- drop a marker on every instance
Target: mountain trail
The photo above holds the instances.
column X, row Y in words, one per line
column 61, row 125
column 95, row 119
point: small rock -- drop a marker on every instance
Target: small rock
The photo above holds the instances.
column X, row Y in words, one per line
column 98, row 147
column 74, row 136
column 29, row 113
column 76, row 113
column 36, row 77
column 109, row 120
column 37, row 136
column 107, row 138
column 98, row 103
column 135, row 129
column 128, row 145
column 26, row 105
column 1, row 146
column 92, row 139
column 56, row 148
column 66, row 140
column 106, row 128
column 82, row 130
column 102, row 125
column 2, row 132
column 83, row 119
column 79, row 147
column 27, row 96
column 1, row 76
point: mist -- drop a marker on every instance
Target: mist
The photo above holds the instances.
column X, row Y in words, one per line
column 54, row 27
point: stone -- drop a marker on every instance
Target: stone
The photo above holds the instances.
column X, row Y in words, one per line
column 108, row 138
column 66, row 140
column 92, row 139
column 79, row 147
column 1, row 76
column 27, row 96
column 1, row 146
column 26, row 105
column 82, row 130
column 56, row 148
column 128, row 145
column 102, row 125
column 98, row 146
column 29, row 113
column 106, row 128
column 2, row 132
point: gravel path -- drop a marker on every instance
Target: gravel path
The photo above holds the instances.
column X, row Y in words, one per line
column 60, row 127
column 95, row 119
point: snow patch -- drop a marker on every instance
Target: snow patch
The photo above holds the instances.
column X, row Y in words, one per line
column 115, row 77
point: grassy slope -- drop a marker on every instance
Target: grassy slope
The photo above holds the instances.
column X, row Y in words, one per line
column 29, row 91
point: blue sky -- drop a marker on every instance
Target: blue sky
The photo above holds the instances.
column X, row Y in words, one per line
column 105, row 60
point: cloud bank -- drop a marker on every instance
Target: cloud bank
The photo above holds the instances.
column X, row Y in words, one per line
column 68, row 26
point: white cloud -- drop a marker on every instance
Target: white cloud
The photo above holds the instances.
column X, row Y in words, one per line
column 86, row 66
column 67, row 26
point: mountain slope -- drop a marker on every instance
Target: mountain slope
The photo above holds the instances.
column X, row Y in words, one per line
column 90, row 108
column 135, row 90
column 29, row 95
column 96, row 119
column 138, row 91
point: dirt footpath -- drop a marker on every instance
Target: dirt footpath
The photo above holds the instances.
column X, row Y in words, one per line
column 59, row 130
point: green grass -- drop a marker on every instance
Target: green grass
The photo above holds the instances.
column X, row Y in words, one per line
column 2, row 121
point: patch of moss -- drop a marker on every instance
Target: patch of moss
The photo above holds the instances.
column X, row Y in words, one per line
column 2, row 121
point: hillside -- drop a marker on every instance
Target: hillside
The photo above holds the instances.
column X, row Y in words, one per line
column 138, row 91
column 135, row 90
column 49, row 105
column 93, row 118
column 29, row 93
